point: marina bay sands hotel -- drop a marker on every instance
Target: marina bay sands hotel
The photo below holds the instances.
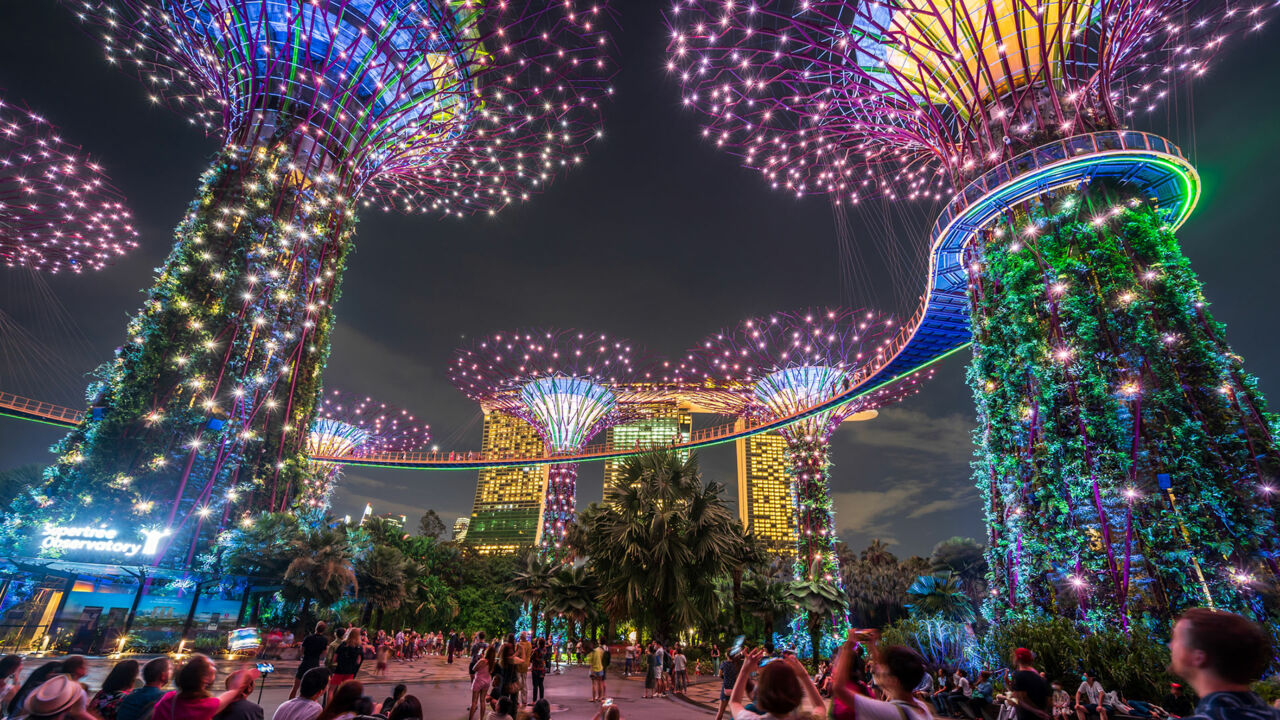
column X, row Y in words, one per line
column 507, row 512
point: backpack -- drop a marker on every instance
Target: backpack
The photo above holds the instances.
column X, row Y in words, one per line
column 604, row 656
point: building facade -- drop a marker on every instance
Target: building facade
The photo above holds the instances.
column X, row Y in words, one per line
column 460, row 527
column 507, row 512
column 765, row 503
column 662, row 423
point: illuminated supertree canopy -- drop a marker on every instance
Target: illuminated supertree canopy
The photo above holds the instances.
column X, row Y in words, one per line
column 563, row 383
column 348, row 425
column 412, row 105
column 58, row 210
column 910, row 99
column 787, row 363
column 1126, row 458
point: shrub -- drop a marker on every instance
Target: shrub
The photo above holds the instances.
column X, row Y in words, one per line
column 1135, row 663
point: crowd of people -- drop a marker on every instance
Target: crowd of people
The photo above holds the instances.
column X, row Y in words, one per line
column 1217, row 654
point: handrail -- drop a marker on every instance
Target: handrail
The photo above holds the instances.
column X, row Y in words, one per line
column 867, row 378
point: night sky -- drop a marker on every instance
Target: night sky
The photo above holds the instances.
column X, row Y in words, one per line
column 657, row 237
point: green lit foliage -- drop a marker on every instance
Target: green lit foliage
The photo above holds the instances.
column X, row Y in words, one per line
column 218, row 374
column 1065, row 653
column 1097, row 368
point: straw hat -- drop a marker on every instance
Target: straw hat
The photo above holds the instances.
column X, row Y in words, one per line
column 54, row 696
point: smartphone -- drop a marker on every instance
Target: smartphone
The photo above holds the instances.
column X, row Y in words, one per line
column 606, row 702
column 737, row 645
column 266, row 668
column 767, row 660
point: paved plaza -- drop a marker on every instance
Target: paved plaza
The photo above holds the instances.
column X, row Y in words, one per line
column 444, row 689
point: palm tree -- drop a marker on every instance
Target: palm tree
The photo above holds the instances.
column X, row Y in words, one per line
column 661, row 544
column 262, row 547
column 572, row 593
column 532, row 582
column 382, row 576
column 940, row 596
column 751, row 554
column 321, row 569
column 767, row 597
column 820, row 598
column 965, row 558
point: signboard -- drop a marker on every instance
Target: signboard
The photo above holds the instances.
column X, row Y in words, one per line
column 101, row 540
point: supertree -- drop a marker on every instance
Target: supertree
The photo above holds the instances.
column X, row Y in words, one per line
column 347, row 425
column 783, row 365
column 563, row 383
column 1125, row 457
column 416, row 105
column 58, row 209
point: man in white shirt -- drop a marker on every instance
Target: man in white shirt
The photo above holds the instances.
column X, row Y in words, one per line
column 306, row 706
column 957, row 700
column 1089, row 698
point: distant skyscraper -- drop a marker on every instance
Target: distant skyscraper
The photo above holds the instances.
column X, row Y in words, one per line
column 765, row 502
column 507, row 512
column 664, row 421
column 460, row 527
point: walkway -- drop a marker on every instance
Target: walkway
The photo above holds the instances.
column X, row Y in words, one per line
column 444, row 689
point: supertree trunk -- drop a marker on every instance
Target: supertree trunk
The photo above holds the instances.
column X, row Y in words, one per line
column 815, row 523
column 1125, row 458
column 206, row 406
column 816, row 559
column 559, row 506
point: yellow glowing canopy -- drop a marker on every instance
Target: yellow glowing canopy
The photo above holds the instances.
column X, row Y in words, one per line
column 967, row 53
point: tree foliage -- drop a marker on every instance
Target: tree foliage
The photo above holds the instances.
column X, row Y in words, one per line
column 659, row 546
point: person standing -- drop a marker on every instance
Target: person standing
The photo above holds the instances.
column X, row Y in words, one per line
column 137, row 704
column 715, row 659
column 1030, row 690
column 307, row 705
column 679, row 663
column 477, row 651
column 538, row 669
column 650, row 673
column 524, row 653
column 628, row 660
column 347, row 658
column 728, row 678
column 595, row 662
column 481, row 680
column 507, row 677
column 311, row 655
column 660, row 659
column 1220, row 655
